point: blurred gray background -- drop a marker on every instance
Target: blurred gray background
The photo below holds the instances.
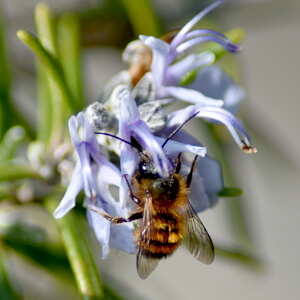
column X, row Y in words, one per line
column 269, row 66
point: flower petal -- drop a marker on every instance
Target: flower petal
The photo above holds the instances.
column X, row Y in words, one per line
column 131, row 125
column 192, row 96
column 110, row 173
column 73, row 127
column 208, row 171
column 174, row 148
column 160, row 54
column 129, row 113
column 187, row 27
column 121, row 238
column 128, row 160
column 233, row 124
column 177, row 71
column 69, row 199
column 101, row 227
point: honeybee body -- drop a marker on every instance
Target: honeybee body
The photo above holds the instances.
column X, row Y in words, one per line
column 164, row 214
column 166, row 198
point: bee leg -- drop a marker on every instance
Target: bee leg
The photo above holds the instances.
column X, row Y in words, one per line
column 189, row 177
column 178, row 167
column 118, row 220
column 131, row 195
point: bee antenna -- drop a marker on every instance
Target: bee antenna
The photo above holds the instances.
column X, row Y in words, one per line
column 134, row 145
column 178, row 128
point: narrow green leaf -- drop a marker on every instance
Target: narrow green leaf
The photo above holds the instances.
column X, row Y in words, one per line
column 230, row 192
column 12, row 139
column 5, row 108
column 45, row 26
column 61, row 98
column 12, row 170
column 6, row 289
column 47, row 59
column 143, row 18
column 68, row 40
column 45, row 29
column 84, row 269
column 9, row 115
column 240, row 256
column 189, row 77
column 110, row 294
column 44, row 104
column 57, row 105
column 32, row 241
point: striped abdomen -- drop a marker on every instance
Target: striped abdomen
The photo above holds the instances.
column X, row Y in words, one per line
column 162, row 237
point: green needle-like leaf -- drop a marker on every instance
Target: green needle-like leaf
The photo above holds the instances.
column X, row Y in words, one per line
column 49, row 62
column 6, row 290
column 60, row 95
column 59, row 102
column 5, row 108
column 230, row 192
column 68, row 40
column 143, row 19
column 13, row 137
column 12, row 171
column 240, row 256
column 85, row 272
column 45, row 29
column 33, row 242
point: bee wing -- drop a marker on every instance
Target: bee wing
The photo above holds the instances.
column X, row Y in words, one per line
column 145, row 264
column 198, row 240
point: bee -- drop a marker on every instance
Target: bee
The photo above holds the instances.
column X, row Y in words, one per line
column 164, row 213
column 166, row 216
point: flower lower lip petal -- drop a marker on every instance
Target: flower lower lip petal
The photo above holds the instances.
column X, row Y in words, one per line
column 178, row 38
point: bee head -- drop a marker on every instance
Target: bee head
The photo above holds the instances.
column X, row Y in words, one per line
column 147, row 169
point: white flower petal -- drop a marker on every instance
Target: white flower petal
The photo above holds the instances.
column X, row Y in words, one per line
column 173, row 147
column 128, row 161
column 73, row 127
column 121, row 238
column 176, row 71
column 110, row 174
column 160, row 54
column 206, row 183
column 192, row 96
column 128, row 108
column 188, row 26
column 69, row 199
column 101, row 227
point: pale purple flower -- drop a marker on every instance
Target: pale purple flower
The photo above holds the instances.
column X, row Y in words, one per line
column 207, row 178
column 126, row 115
column 166, row 73
column 216, row 114
column 94, row 173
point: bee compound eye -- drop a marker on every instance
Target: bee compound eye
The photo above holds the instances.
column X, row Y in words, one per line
column 143, row 168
